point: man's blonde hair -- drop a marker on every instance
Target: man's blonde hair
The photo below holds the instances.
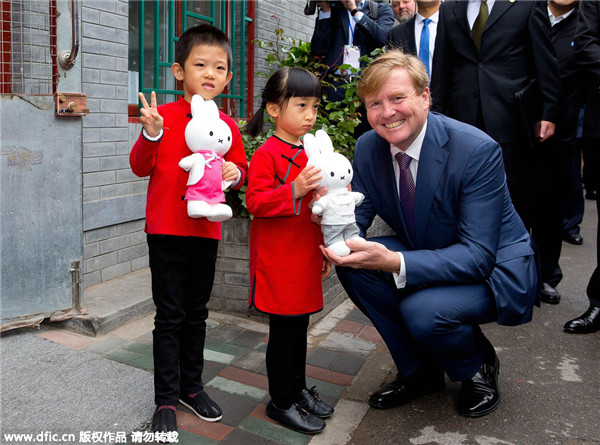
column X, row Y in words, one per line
column 379, row 69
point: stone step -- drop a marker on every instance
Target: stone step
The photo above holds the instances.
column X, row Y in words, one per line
column 112, row 304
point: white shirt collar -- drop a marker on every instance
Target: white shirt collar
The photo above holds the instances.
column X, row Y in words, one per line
column 414, row 150
column 560, row 18
column 433, row 17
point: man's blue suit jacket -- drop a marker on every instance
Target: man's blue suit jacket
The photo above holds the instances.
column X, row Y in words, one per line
column 467, row 230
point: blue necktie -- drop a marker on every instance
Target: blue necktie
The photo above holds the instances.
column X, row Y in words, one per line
column 407, row 192
column 424, row 45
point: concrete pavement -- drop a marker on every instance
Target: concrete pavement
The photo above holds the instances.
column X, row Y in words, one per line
column 99, row 389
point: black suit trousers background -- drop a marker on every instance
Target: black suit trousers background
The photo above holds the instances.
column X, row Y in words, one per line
column 551, row 185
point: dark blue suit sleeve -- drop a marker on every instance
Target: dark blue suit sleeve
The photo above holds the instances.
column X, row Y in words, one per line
column 379, row 29
column 482, row 198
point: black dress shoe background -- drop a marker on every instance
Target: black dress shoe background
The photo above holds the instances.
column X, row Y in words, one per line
column 296, row 418
column 403, row 390
column 586, row 323
column 549, row 294
column 591, row 194
column 479, row 395
column 573, row 238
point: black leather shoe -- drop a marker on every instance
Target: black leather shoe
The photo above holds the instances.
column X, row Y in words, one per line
column 573, row 238
column 164, row 421
column 591, row 194
column 479, row 395
column 549, row 294
column 585, row 324
column 296, row 418
column 310, row 401
column 405, row 389
column 203, row 406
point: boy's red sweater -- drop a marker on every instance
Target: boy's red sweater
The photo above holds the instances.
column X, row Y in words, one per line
column 166, row 210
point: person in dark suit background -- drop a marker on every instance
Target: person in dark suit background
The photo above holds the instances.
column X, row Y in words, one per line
column 403, row 10
column 344, row 31
column 551, row 168
column 487, row 52
column 587, row 54
column 574, row 207
column 475, row 79
column 348, row 23
column 406, row 35
column 461, row 256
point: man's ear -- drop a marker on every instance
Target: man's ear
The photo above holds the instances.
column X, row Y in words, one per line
column 177, row 71
column 272, row 109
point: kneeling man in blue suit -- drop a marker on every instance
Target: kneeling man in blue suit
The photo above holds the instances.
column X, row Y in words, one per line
column 461, row 256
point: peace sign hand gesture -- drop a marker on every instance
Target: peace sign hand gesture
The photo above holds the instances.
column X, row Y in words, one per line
column 150, row 119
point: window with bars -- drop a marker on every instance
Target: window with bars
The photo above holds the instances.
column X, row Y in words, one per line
column 154, row 27
column 28, row 47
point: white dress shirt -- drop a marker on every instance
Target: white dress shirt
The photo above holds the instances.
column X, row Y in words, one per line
column 432, row 32
column 473, row 10
column 414, row 151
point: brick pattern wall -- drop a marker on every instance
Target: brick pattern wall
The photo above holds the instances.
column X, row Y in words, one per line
column 231, row 287
column 273, row 14
column 114, row 198
column 113, row 241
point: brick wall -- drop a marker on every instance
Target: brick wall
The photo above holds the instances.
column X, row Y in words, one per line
column 114, row 198
column 273, row 14
column 114, row 243
column 231, row 288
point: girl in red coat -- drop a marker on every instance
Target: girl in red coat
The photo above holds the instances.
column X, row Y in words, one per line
column 286, row 265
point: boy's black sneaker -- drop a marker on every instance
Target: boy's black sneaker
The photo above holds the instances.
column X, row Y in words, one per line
column 203, row 406
column 164, row 421
column 310, row 401
column 296, row 418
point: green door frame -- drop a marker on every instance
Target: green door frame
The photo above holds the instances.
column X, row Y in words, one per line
column 228, row 17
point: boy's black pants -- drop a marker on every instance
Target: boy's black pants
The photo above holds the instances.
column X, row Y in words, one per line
column 183, row 270
column 286, row 358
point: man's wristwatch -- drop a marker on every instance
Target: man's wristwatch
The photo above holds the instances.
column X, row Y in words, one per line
column 353, row 12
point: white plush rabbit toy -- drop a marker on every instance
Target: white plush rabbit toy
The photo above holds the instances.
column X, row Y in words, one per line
column 209, row 138
column 337, row 206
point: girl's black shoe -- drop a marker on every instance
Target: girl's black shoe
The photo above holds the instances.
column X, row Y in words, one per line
column 296, row 418
column 310, row 401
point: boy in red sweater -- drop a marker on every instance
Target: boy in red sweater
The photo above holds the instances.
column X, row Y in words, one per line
column 182, row 250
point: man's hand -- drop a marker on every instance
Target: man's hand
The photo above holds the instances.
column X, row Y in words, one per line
column 326, row 268
column 150, row 119
column 544, row 130
column 365, row 255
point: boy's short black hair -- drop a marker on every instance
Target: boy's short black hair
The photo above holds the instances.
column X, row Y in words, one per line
column 202, row 35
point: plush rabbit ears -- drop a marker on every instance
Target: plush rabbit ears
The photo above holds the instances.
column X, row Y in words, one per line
column 317, row 144
column 206, row 109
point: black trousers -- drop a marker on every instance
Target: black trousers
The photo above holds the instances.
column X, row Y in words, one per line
column 183, row 270
column 551, row 187
column 593, row 288
column 286, row 358
column 518, row 164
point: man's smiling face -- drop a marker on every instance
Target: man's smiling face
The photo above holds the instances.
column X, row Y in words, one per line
column 396, row 112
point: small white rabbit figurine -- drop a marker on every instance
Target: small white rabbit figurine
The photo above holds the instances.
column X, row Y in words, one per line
column 209, row 138
column 337, row 206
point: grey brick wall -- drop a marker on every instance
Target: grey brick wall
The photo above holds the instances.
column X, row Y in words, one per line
column 231, row 287
column 273, row 14
column 114, row 241
column 114, row 198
